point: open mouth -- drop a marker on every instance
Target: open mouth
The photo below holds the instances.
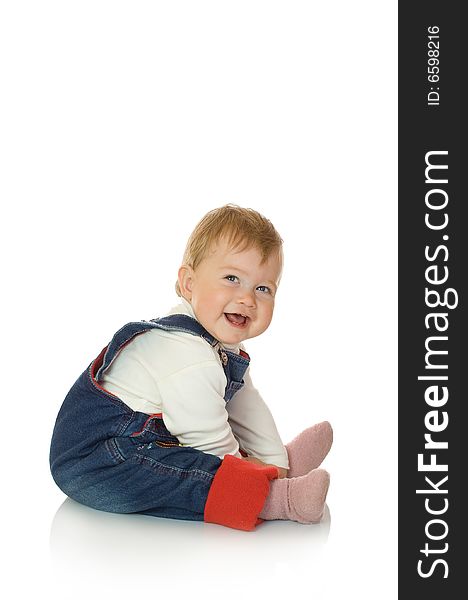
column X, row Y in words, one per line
column 236, row 319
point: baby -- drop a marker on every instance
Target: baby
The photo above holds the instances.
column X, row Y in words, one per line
column 166, row 420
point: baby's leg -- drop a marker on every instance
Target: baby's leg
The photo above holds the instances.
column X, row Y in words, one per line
column 299, row 499
column 307, row 450
column 172, row 482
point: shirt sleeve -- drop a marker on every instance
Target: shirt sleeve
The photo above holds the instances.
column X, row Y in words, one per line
column 194, row 409
column 254, row 427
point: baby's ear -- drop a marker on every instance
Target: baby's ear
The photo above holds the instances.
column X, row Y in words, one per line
column 185, row 279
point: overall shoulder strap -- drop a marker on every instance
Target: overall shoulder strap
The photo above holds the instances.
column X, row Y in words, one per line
column 126, row 334
column 185, row 323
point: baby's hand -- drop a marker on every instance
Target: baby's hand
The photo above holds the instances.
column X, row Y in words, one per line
column 281, row 471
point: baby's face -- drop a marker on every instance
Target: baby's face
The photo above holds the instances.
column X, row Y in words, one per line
column 232, row 293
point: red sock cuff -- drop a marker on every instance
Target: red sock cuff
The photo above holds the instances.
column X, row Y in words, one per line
column 238, row 493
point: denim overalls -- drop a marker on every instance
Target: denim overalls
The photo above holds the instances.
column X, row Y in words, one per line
column 109, row 457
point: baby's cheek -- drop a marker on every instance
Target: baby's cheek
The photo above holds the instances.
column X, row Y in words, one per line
column 267, row 317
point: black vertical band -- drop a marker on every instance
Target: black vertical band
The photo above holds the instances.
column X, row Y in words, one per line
column 433, row 273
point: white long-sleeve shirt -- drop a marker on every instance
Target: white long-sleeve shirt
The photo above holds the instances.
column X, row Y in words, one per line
column 179, row 375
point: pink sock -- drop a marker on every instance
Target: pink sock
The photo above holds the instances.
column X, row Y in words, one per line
column 299, row 499
column 307, row 450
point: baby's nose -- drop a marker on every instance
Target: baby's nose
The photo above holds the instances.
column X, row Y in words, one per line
column 247, row 298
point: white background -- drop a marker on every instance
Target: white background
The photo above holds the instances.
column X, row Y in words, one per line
column 122, row 124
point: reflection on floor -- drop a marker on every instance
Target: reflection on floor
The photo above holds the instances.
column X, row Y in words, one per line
column 89, row 542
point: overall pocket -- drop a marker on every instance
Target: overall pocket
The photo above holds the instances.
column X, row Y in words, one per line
column 154, row 431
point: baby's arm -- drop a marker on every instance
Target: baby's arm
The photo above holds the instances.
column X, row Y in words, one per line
column 194, row 409
column 254, row 427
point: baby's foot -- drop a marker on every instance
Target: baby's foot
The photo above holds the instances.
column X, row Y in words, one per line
column 307, row 450
column 307, row 496
column 299, row 499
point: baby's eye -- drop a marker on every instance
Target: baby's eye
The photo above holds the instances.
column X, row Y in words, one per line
column 232, row 278
column 265, row 289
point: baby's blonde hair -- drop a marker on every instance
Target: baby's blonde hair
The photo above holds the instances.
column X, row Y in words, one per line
column 242, row 228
